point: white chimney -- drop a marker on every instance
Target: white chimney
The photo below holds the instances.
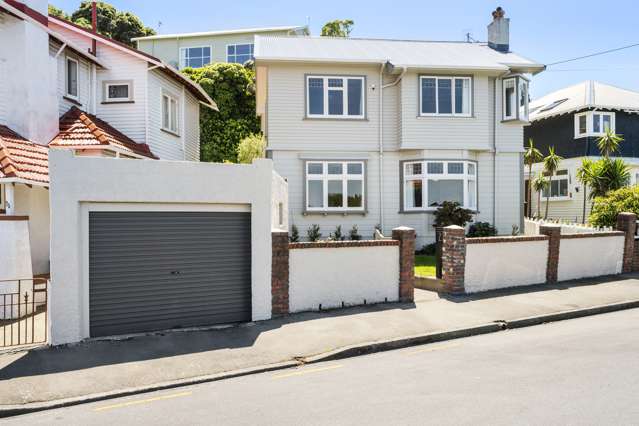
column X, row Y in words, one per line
column 499, row 31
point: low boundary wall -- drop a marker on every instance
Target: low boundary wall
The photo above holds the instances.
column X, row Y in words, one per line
column 472, row 265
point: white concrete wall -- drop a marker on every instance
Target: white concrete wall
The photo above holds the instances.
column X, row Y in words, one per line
column 34, row 202
column 590, row 257
column 349, row 275
column 491, row 266
column 145, row 185
column 15, row 263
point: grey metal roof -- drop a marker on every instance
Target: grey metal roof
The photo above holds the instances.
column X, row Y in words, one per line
column 224, row 32
column 406, row 53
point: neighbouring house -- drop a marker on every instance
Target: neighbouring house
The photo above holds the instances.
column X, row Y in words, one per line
column 196, row 50
column 378, row 133
column 572, row 119
column 64, row 87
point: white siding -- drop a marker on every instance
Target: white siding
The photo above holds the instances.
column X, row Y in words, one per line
column 165, row 145
column 4, row 95
column 191, row 128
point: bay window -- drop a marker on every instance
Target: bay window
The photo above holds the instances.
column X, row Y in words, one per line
column 445, row 96
column 427, row 184
column 593, row 123
column 515, row 98
column 335, row 185
column 335, row 97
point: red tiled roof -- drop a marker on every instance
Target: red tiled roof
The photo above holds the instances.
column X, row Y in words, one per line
column 78, row 128
column 21, row 158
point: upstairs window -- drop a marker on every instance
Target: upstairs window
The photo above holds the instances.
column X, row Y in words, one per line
column 593, row 123
column 515, row 98
column 239, row 53
column 334, row 97
column 72, row 74
column 448, row 96
column 335, row 185
column 118, row 91
column 195, row 57
column 170, row 113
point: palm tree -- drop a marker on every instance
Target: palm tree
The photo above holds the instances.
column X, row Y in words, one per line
column 531, row 156
column 539, row 184
column 586, row 175
column 608, row 143
column 551, row 164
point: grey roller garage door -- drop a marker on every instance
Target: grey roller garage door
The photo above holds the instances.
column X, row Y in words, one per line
column 159, row 270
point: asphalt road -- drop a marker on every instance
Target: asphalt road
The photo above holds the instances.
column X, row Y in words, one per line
column 582, row 371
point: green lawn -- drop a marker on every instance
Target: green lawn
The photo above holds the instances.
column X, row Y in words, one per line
column 424, row 265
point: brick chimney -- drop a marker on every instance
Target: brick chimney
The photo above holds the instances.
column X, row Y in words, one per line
column 499, row 31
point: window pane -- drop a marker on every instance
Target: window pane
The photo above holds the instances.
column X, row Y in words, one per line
column 335, row 193
column 462, row 96
column 230, row 49
column 554, row 188
column 174, row 114
column 582, row 124
column 456, row 168
column 72, row 78
column 444, row 93
column 509, row 98
column 165, row 112
column 195, row 52
column 428, row 96
column 563, row 188
column 414, row 169
column 355, row 194
column 335, row 102
column 354, row 168
column 596, row 124
column 606, row 122
column 315, row 168
column 120, row 91
column 472, row 194
column 445, row 190
column 335, row 82
column 334, row 168
column 354, row 97
column 471, row 169
column 315, row 193
column 243, row 49
column 561, row 172
column 435, row 168
column 206, row 52
column 523, row 99
column 413, row 194
column 316, row 95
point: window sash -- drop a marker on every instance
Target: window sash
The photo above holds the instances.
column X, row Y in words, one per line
column 72, row 78
column 128, row 97
column 559, row 186
column 446, row 172
column 239, row 53
column 509, row 90
column 343, row 179
column 596, row 123
column 190, row 57
column 170, row 113
column 456, row 90
column 335, row 97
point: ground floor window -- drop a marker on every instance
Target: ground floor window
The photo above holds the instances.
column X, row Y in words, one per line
column 335, row 185
column 558, row 187
column 427, row 184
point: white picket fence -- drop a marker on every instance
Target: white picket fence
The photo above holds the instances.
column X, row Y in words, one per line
column 532, row 227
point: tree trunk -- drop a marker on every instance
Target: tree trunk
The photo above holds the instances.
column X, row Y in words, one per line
column 583, row 220
column 538, row 205
column 529, row 194
column 547, row 204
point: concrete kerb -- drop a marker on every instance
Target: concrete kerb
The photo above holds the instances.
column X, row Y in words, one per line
column 341, row 353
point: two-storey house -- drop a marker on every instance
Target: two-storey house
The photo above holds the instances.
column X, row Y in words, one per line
column 196, row 50
column 572, row 120
column 378, row 133
column 66, row 87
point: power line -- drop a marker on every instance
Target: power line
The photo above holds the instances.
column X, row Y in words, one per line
column 593, row 54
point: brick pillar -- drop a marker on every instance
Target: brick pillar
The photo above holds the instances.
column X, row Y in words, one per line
column 279, row 273
column 627, row 223
column 453, row 258
column 406, row 238
column 554, row 232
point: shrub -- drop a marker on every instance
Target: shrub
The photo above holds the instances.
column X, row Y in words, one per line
column 295, row 235
column 481, row 229
column 314, row 233
column 605, row 209
column 337, row 235
column 428, row 250
column 353, row 234
column 451, row 213
column 250, row 148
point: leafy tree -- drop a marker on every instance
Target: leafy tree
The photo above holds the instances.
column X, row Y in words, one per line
column 606, row 209
column 120, row 26
column 451, row 213
column 481, row 229
column 551, row 164
column 608, row 143
column 531, row 156
column 295, row 235
column 587, row 176
column 233, row 88
column 59, row 13
column 540, row 184
column 313, row 233
column 338, row 28
column 250, row 148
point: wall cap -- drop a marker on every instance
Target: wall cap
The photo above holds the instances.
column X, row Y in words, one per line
column 507, row 239
column 453, row 227
column 593, row 234
column 403, row 228
column 343, row 244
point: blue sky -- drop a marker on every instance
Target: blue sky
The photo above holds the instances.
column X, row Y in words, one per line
column 544, row 30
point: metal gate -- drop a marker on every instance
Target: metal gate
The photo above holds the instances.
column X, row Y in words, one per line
column 23, row 311
column 160, row 270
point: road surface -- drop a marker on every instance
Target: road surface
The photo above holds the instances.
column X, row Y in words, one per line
column 582, row 371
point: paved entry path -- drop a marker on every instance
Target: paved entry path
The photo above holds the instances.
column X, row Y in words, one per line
column 112, row 366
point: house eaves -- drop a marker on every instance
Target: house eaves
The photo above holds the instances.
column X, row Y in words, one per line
column 222, row 32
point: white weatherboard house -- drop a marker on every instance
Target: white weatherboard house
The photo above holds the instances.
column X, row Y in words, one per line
column 373, row 132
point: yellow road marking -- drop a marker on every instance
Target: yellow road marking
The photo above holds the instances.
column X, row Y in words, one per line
column 307, row 371
column 142, row 401
column 434, row 348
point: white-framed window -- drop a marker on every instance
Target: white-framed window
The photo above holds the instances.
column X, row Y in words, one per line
column 118, row 91
column 335, row 185
column 593, row 123
column 335, row 96
column 427, row 184
column 448, row 96
column 170, row 113
column 72, row 78
column 239, row 53
column 515, row 98
column 195, row 57
column 558, row 187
